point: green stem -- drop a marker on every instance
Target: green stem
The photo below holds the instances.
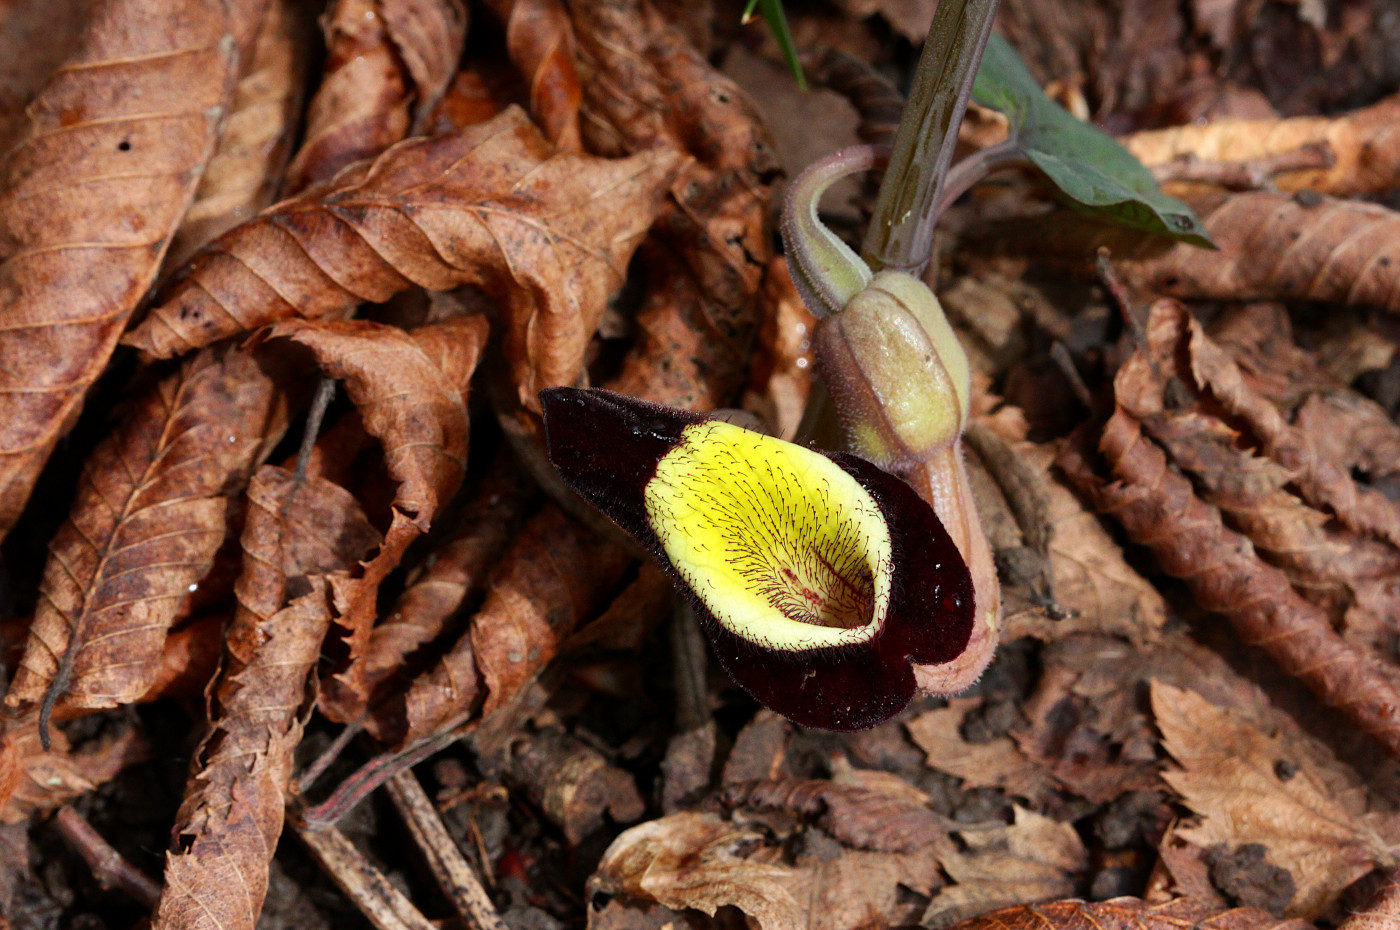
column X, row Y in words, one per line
column 901, row 233
column 965, row 175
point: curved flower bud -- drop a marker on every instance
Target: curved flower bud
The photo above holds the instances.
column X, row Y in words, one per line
column 821, row 580
column 901, row 384
column 896, row 370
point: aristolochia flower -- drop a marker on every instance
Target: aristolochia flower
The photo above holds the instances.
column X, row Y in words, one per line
column 820, row 579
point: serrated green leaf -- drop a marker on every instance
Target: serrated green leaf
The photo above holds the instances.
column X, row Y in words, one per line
column 1085, row 164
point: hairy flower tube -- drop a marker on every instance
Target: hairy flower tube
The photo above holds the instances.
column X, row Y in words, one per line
column 901, row 385
column 821, row 580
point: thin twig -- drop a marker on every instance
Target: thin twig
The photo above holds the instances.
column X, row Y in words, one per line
column 373, row 774
column 963, row 176
column 454, row 874
column 382, row 904
column 108, row 866
column 332, row 752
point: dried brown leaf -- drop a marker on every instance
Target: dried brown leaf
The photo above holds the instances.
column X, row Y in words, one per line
column 1322, row 480
column 1158, row 507
column 409, row 390
column 388, row 62
column 862, row 818
column 35, row 37
column 555, row 575
column 1129, row 914
column 151, row 511
column 645, row 85
column 547, row 234
column 780, row 373
column 540, row 39
column 35, row 779
column 1275, row 247
column 89, row 199
column 455, row 575
column 998, row 763
column 231, row 817
column 1093, row 587
column 1250, row 787
column 700, row 861
column 1032, row 859
column 245, row 171
column 1364, row 146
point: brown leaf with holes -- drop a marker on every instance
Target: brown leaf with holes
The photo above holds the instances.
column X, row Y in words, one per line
column 1249, row 787
column 1032, row 859
column 89, row 198
column 1363, row 147
column 298, row 535
column 540, row 39
column 410, row 392
column 701, row 861
column 151, row 511
column 547, row 234
column 388, row 63
column 1128, row 914
column 245, row 171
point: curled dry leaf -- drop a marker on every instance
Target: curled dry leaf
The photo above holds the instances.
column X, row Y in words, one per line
column 1175, row 386
column 409, row 390
column 540, row 39
column 1250, row 787
column 388, row 62
column 1364, row 147
column 645, row 85
column 1279, row 247
column 555, row 575
column 151, row 511
column 455, row 575
column 1128, row 914
column 1323, row 480
column 547, row 234
column 1158, row 508
column 245, row 171
column 297, row 534
column 89, row 198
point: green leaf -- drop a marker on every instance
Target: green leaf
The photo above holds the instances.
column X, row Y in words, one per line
column 773, row 15
column 1086, row 164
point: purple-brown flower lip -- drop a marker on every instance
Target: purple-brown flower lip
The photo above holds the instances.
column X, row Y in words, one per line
column 819, row 578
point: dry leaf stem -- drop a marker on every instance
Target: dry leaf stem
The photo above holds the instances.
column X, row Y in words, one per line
column 454, row 874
